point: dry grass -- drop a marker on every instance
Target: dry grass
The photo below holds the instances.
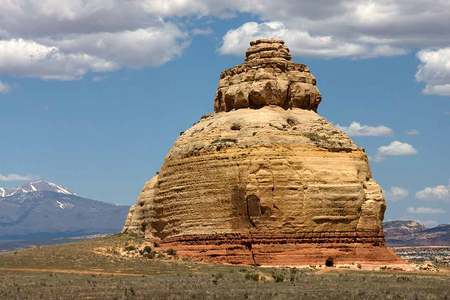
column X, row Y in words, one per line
column 80, row 271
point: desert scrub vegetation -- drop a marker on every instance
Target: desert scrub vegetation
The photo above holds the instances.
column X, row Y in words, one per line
column 171, row 252
column 76, row 271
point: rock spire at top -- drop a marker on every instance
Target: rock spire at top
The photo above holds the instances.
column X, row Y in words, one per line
column 269, row 49
column 268, row 77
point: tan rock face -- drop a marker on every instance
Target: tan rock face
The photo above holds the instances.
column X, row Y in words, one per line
column 270, row 186
column 268, row 77
column 142, row 215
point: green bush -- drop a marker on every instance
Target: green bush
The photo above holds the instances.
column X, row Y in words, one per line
column 278, row 276
column 252, row 276
column 293, row 274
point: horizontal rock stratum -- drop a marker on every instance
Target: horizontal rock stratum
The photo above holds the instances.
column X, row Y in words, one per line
column 265, row 179
column 268, row 77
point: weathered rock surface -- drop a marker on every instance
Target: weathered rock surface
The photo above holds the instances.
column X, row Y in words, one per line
column 268, row 77
column 277, row 185
column 142, row 214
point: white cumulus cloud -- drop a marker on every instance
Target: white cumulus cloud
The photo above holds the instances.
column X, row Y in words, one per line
column 15, row 177
column 434, row 71
column 31, row 59
column 299, row 41
column 439, row 192
column 425, row 210
column 397, row 193
column 150, row 46
column 357, row 129
column 137, row 33
column 355, row 28
column 64, row 40
column 4, row 88
column 395, row 148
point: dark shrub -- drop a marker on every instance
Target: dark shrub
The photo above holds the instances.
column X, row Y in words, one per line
column 249, row 275
column 172, row 252
column 147, row 252
column 278, row 276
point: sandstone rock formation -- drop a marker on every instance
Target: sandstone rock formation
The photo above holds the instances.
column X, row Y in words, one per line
column 268, row 77
column 265, row 179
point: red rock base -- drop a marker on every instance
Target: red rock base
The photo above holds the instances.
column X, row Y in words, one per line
column 282, row 252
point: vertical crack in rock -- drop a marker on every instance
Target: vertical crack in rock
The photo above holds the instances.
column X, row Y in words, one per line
column 253, row 209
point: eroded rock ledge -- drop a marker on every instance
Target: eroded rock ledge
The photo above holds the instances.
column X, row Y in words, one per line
column 268, row 77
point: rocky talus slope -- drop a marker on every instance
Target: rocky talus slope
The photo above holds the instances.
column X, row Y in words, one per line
column 265, row 179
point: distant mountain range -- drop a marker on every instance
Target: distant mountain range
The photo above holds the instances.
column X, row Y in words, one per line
column 41, row 210
column 35, row 186
column 412, row 233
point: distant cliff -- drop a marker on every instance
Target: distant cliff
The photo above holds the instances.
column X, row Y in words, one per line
column 412, row 233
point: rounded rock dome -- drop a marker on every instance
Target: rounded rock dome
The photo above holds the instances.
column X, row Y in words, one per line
column 270, row 184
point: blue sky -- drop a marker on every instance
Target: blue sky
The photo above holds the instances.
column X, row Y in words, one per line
column 93, row 99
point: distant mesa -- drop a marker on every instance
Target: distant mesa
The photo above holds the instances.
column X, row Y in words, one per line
column 265, row 180
column 402, row 228
column 412, row 233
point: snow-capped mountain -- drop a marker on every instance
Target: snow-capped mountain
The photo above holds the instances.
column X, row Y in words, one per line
column 35, row 186
column 41, row 210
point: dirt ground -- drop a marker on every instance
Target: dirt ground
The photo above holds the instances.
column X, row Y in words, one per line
column 113, row 268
